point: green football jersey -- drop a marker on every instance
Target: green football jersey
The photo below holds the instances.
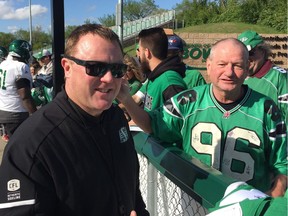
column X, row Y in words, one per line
column 246, row 143
column 273, row 84
column 193, row 78
column 155, row 88
column 244, row 200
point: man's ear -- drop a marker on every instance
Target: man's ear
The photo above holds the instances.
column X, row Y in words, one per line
column 208, row 66
column 66, row 66
column 148, row 53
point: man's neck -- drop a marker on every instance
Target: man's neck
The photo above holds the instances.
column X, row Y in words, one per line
column 228, row 97
column 154, row 63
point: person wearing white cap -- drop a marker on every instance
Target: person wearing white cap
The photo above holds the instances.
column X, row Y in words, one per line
column 265, row 77
column 43, row 91
column 45, row 60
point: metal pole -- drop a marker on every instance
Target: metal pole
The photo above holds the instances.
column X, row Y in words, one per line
column 30, row 22
column 119, row 20
column 152, row 189
column 58, row 41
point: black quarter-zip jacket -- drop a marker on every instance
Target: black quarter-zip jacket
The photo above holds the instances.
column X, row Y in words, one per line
column 62, row 161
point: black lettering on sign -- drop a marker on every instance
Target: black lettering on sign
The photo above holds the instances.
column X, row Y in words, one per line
column 280, row 54
column 276, row 47
column 276, row 38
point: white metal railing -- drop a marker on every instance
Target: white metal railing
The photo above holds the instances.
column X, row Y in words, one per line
column 133, row 28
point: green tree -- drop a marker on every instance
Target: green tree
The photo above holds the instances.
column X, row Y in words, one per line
column 6, row 39
column 197, row 11
column 40, row 39
column 274, row 15
column 88, row 21
column 108, row 20
column 229, row 11
column 133, row 10
column 68, row 30
column 22, row 34
column 250, row 10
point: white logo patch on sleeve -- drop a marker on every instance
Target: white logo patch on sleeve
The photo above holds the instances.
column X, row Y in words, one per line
column 13, row 185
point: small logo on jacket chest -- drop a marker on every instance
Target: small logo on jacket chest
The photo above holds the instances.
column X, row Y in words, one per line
column 123, row 134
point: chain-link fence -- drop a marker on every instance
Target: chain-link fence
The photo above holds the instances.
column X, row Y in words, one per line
column 172, row 182
column 162, row 196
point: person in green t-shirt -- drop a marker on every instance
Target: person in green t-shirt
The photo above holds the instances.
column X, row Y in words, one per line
column 264, row 76
column 225, row 124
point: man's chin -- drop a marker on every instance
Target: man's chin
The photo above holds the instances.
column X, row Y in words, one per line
column 103, row 104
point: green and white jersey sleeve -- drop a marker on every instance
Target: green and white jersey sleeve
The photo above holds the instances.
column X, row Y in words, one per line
column 142, row 91
column 193, row 78
column 241, row 199
column 157, row 89
column 274, row 84
column 246, row 143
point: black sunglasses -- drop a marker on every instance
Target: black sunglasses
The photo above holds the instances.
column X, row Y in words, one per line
column 99, row 69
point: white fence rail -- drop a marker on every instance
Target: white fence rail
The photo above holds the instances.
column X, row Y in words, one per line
column 131, row 29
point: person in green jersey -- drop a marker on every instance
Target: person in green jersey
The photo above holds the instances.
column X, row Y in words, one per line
column 241, row 199
column 225, row 124
column 264, row 76
column 192, row 76
column 164, row 75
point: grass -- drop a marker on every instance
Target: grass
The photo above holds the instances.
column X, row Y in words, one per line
column 229, row 27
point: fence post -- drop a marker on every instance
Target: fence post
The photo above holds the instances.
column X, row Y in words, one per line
column 152, row 190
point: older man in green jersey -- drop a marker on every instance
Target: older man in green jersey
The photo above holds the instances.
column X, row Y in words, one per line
column 224, row 124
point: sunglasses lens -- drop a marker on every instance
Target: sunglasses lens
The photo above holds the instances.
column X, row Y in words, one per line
column 118, row 70
column 99, row 69
column 93, row 70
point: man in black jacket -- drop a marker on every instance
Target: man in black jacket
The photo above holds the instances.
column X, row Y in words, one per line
column 76, row 156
